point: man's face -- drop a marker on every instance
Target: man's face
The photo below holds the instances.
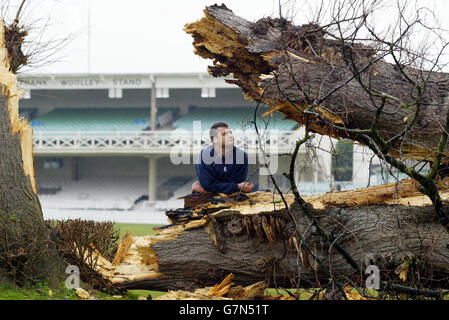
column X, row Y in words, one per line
column 224, row 138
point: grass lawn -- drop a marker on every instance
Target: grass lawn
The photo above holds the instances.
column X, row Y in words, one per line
column 43, row 292
column 136, row 229
column 36, row 292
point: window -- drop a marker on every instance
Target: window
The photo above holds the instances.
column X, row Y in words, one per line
column 53, row 163
column 162, row 93
column 208, row 93
column 27, row 94
column 115, row 93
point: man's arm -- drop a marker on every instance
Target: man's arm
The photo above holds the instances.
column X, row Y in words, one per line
column 240, row 176
column 209, row 183
column 242, row 172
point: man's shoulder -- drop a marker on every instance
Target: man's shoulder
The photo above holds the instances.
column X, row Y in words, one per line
column 205, row 153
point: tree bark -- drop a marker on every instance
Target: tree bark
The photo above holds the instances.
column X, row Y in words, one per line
column 254, row 239
column 289, row 68
column 25, row 239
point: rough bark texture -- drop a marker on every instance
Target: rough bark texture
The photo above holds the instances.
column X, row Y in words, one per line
column 24, row 234
column 253, row 238
column 17, row 196
column 275, row 62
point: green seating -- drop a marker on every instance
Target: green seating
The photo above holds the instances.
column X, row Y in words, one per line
column 122, row 120
column 95, row 119
column 237, row 118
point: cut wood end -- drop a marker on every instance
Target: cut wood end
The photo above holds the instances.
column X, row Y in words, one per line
column 217, row 36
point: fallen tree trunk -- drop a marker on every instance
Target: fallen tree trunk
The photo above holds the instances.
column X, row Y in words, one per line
column 289, row 68
column 252, row 237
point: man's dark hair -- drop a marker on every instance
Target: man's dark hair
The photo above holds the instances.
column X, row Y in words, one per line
column 213, row 130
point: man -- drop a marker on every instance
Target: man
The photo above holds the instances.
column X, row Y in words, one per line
column 222, row 167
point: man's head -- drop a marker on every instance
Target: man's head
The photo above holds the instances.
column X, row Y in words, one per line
column 221, row 135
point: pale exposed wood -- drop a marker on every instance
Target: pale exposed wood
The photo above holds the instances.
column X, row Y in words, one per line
column 83, row 294
column 8, row 82
column 399, row 192
column 123, row 248
column 92, row 257
column 222, row 291
column 134, row 276
column 185, row 295
column 222, row 288
column 182, row 227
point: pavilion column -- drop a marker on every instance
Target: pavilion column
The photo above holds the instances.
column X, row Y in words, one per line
column 152, row 179
column 75, row 169
column 153, row 105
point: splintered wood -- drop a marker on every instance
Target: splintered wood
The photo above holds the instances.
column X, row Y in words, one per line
column 123, row 248
column 404, row 192
column 138, row 262
column 224, row 291
column 8, row 82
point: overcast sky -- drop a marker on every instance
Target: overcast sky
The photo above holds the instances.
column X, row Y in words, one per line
column 140, row 36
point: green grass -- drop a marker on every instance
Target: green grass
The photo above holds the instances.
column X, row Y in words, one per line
column 134, row 294
column 137, row 229
column 38, row 291
column 43, row 292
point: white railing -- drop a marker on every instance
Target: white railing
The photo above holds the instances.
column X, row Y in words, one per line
column 150, row 142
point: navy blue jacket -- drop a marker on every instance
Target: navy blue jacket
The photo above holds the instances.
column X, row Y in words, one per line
column 217, row 176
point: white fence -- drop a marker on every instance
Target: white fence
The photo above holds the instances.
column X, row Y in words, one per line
column 157, row 142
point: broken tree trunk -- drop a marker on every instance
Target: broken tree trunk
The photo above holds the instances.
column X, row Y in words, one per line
column 25, row 250
column 252, row 237
column 289, row 68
